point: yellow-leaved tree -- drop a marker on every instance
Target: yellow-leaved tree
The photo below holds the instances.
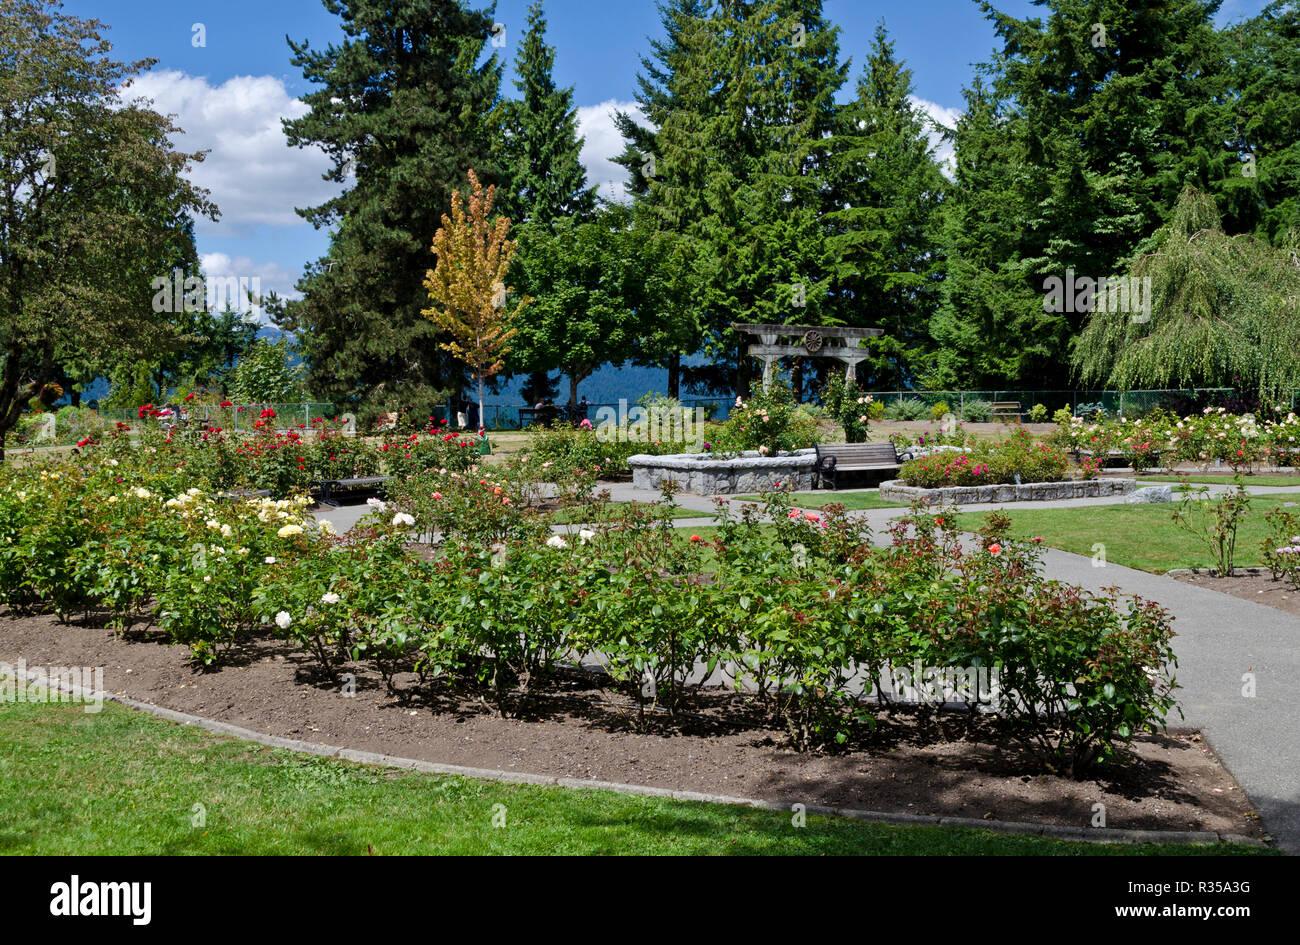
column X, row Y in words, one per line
column 467, row 286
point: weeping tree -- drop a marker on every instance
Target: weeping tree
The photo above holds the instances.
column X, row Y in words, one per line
column 1224, row 311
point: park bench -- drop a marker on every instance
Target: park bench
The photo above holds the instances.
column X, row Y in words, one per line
column 851, row 457
column 327, row 486
column 1079, row 454
column 234, row 495
column 1006, row 410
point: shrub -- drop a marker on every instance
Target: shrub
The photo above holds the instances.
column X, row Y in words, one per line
column 977, row 411
column 770, row 422
column 906, row 408
column 939, row 410
column 988, row 464
column 1280, row 551
column 794, row 611
column 1037, row 413
column 1214, row 522
column 848, row 405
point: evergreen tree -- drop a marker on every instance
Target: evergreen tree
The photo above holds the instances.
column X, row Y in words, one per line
column 885, row 231
column 542, row 147
column 1264, row 198
column 404, row 110
column 1109, row 107
column 674, row 309
column 741, row 165
column 990, row 325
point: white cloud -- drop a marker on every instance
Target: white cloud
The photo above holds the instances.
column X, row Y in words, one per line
column 263, row 278
column 947, row 117
column 603, row 143
column 252, row 173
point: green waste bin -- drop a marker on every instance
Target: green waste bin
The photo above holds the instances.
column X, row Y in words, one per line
column 484, row 446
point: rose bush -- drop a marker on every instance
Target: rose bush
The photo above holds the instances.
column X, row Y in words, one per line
column 796, row 607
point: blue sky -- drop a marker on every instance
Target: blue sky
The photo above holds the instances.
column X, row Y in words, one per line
column 230, row 93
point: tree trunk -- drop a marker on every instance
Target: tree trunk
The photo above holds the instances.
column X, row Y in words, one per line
column 675, row 375
column 574, row 379
column 481, row 419
column 12, row 398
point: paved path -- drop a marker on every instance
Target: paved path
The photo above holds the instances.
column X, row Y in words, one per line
column 1220, row 639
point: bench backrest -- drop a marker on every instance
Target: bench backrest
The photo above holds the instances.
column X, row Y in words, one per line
column 859, row 454
column 1006, row 405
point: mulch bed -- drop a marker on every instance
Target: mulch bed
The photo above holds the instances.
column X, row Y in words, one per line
column 928, row 763
column 1254, row 585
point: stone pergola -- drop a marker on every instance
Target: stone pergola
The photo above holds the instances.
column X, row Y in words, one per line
column 815, row 341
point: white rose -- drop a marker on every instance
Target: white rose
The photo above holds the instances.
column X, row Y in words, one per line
column 556, row 541
column 283, row 620
column 330, row 598
column 402, row 518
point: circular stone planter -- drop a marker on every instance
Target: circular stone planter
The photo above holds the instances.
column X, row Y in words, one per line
column 898, row 491
column 710, row 474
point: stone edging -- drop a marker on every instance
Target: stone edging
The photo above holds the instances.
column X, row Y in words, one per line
column 1051, row 831
column 897, row 491
column 715, row 474
column 1209, row 572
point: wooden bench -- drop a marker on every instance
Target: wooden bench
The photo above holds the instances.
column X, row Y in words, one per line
column 327, row 486
column 238, row 495
column 1006, row 409
column 851, row 457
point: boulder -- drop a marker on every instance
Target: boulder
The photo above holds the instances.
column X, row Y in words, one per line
column 1151, row 494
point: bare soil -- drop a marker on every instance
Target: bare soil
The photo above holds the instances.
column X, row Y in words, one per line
column 1253, row 585
column 918, row 762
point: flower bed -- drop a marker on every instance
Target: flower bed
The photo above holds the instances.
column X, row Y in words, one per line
column 797, row 612
column 899, row 491
column 1239, row 441
column 216, row 458
column 1018, row 459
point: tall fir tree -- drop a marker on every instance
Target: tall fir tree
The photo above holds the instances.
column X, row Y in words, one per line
column 1264, row 198
column 740, row 165
column 542, row 148
column 886, row 228
column 404, row 109
column 987, row 320
column 1110, row 107
column 672, row 81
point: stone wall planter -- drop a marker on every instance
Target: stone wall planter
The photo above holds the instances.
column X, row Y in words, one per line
column 898, row 491
column 710, row 474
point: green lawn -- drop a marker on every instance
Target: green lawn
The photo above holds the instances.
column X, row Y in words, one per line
column 1136, row 536
column 122, row 782
column 854, row 501
column 1284, row 481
